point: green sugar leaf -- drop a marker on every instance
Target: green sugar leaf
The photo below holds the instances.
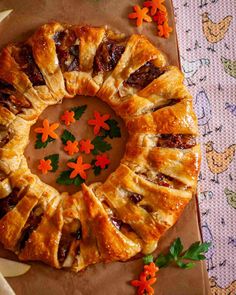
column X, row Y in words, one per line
column 54, row 161
column 114, row 130
column 196, row 251
column 67, row 135
column 39, row 144
column 100, row 145
column 78, row 111
column 64, row 178
column 163, row 260
column 148, row 259
column 176, row 248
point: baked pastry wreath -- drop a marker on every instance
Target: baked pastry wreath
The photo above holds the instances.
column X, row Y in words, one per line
column 145, row 196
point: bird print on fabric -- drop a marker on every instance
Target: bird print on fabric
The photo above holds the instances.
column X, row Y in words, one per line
column 231, row 197
column 217, row 290
column 190, row 68
column 229, row 66
column 203, row 110
column 218, row 162
column 214, row 32
column 207, row 237
column 204, row 3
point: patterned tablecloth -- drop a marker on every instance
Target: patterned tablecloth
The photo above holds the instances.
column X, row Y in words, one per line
column 206, row 33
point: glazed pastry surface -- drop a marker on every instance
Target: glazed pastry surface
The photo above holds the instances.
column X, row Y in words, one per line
column 157, row 177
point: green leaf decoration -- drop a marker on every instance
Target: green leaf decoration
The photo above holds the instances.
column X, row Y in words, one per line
column 114, row 130
column 66, row 135
column 79, row 111
column 100, row 145
column 148, row 259
column 96, row 170
column 163, row 260
column 176, row 248
column 183, row 265
column 177, row 256
column 196, row 251
column 39, row 144
column 54, row 161
column 64, row 178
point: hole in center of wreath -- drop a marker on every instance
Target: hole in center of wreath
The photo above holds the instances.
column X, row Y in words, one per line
column 80, row 140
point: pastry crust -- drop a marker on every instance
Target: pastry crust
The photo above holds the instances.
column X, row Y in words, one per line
column 157, row 177
column 137, row 52
column 81, row 82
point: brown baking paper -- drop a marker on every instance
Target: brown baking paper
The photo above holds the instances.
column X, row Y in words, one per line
column 111, row 278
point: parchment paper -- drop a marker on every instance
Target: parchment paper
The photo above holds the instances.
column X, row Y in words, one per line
column 111, row 278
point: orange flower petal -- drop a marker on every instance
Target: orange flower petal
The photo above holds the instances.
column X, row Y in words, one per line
column 86, row 146
column 47, row 130
column 79, row 168
column 68, row 117
column 45, row 166
column 140, row 14
column 155, row 5
column 102, row 161
column 99, row 122
column 71, row 147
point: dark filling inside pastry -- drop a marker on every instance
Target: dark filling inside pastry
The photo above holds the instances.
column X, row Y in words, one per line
column 11, row 99
column 10, row 202
column 5, row 135
column 180, row 141
column 168, row 103
column 67, row 51
column 26, row 61
column 160, row 179
column 32, row 223
column 144, row 76
column 3, row 175
column 71, row 231
column 135, row 198
column 107, row 56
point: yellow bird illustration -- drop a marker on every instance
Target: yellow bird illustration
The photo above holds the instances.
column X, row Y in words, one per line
column 214, row 32
column 219, row 162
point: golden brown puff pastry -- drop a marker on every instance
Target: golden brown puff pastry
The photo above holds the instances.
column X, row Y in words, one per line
column 44, row 53
column 112, row 244
column 16, row 92
column 17, row 136
column 176, row 119
column 21, row 75
column 88, row 250
column 138, row 202
column 5, row 187
column 42, row 244
column 138, row 51
column 80, row 59
column 180, row 164
column 12, row 224
column 133, row 208
column 166, row 89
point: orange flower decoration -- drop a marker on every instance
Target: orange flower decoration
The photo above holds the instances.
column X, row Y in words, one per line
column 99, row 122
column 79, row 168
column 151, row 269
column 164, row 30
column 68, row 117
column 71, row 147
column 140, row 14
column 47, row 130
column 160, row 17
column 144, row 284
column 155, row 5
column 86, row 146
column 45, row 166
column 102, row 161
